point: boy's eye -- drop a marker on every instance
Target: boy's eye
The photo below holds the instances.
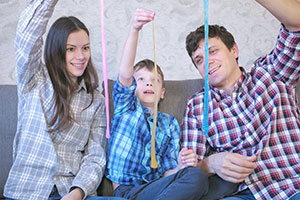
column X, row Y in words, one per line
column 140, row 79
column 157, row 80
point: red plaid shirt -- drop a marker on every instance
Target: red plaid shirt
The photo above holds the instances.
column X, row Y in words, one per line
column 261, row 117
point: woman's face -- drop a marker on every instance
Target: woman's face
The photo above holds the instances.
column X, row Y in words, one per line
column 77, row 53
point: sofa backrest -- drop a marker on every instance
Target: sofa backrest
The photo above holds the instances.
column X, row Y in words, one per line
column 176, row 94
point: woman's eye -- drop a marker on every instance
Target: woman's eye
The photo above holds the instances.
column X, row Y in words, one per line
column 86, row 48
column 70, row 49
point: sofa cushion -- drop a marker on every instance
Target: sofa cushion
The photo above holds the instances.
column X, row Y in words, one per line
column 8, row 127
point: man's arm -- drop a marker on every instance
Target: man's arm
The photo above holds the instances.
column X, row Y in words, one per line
column 141, row 17
column 231, row 167
column 286, row 11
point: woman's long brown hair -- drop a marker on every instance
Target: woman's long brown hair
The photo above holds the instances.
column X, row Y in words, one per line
column 55, row 60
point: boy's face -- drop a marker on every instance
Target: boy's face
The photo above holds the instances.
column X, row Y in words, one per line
column 145, row 87
column 223, row 68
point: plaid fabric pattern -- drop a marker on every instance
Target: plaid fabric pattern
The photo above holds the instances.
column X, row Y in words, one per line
column 129, row 157
column 72, row 157
column 261, row 117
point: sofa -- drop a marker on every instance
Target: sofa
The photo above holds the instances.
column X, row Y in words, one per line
column 177, row 92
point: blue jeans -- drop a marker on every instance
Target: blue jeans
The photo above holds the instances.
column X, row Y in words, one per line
column 296, row 197
column 91, row 198
column 219, row 188
column 55, row 196
column 88, row 198
column 247, row 195
column 189, row 183
column 243, row 195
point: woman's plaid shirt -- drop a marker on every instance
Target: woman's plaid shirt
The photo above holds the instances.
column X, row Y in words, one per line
column 261, row 117
column 73, row 157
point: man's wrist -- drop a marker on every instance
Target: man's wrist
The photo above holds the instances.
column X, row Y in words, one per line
column 206, row 166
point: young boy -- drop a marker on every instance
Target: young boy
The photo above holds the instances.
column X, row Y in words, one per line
column 129, row 160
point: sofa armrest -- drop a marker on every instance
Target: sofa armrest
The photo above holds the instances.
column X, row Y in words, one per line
column 8, row 127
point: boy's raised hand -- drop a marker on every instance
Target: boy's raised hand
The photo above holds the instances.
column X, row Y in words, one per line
column 187, row 157
column 141, row 17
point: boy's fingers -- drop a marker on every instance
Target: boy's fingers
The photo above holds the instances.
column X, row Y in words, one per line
column 144, row 15
column 186, row 151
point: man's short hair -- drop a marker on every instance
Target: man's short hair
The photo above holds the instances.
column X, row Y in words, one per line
column 194, row 37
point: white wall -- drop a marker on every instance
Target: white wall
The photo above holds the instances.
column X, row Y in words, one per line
column 255, row 31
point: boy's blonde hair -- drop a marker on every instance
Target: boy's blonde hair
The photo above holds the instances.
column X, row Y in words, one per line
column 149, row 64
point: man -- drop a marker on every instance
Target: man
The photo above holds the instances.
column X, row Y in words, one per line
column 254, row 119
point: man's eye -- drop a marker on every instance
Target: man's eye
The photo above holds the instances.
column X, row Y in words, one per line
column 213, row 51
column 198, row 61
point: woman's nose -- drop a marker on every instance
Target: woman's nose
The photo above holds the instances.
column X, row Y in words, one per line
column 79, row 55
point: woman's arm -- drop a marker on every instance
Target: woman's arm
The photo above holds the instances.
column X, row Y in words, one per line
column 28, row 42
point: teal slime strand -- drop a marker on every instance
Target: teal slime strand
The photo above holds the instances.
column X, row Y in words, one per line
column 206, row 87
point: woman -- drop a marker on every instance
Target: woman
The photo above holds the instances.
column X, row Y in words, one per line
column 59, row 147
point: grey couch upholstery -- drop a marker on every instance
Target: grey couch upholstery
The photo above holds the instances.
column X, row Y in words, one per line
column 174, row 103
column 8, row 125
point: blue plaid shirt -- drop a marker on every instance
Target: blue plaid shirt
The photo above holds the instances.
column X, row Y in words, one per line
column 129, row 160
column 73, row 157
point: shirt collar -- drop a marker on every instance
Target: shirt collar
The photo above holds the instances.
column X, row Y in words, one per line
column 81, row 86
column 219, row 94
column 148, row 115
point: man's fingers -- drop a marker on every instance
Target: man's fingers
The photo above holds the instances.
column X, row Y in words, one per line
column 243, row 161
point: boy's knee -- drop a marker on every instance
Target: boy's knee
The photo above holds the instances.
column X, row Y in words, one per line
column 197, row 176
column 199, row 179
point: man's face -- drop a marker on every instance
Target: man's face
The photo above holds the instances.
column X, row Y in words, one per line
column 145, row 87
column 223, row 68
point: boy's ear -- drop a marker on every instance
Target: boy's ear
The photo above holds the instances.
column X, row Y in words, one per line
column 163, row 90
